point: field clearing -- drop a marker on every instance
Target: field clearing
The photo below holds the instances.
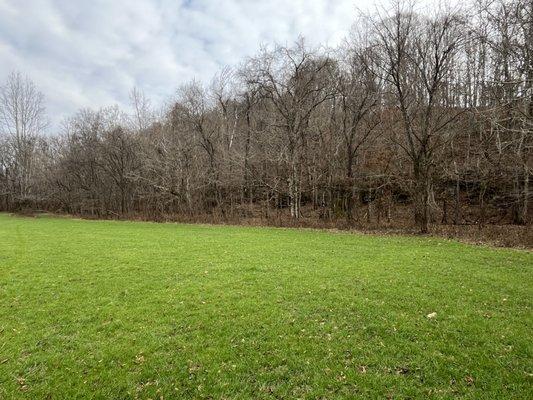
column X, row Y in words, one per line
column 117, row 310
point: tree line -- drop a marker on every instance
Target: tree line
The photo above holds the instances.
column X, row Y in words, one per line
column 422, row 117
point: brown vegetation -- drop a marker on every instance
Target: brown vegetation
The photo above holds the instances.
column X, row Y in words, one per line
column 420, row 122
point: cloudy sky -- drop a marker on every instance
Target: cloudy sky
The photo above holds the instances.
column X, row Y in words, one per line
column 83, row 53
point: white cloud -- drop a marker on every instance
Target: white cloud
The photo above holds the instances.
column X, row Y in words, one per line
column 91, row 53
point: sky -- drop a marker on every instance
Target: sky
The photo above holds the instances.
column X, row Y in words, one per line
column 83, row 53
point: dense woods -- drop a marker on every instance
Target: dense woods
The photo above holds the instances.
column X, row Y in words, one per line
column 419, row 118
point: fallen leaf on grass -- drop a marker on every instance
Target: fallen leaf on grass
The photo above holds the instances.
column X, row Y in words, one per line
column 22, row 383
column 469, row 380
column 193, row 367
column 402, row 370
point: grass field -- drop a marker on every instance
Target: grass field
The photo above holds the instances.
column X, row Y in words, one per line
column 119, row 310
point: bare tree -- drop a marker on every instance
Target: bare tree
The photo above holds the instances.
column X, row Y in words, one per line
column 358, row 97
column 143, row 115
column 508, row 31
column 292, row 79
column 414, row 55
column 195, row 112
column 22, row 119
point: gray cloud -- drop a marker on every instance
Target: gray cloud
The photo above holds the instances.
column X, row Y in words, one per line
column 91, row 53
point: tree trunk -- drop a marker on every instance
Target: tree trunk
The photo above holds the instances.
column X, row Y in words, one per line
column 526, row 195
column 294, row 193
column 421, row 198
column 457, row 216
column 444, row 212
column 481, row 223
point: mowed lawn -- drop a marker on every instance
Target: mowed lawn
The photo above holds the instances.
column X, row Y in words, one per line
column 120, row 310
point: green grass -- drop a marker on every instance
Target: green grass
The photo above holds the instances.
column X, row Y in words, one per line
column 119, row 310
